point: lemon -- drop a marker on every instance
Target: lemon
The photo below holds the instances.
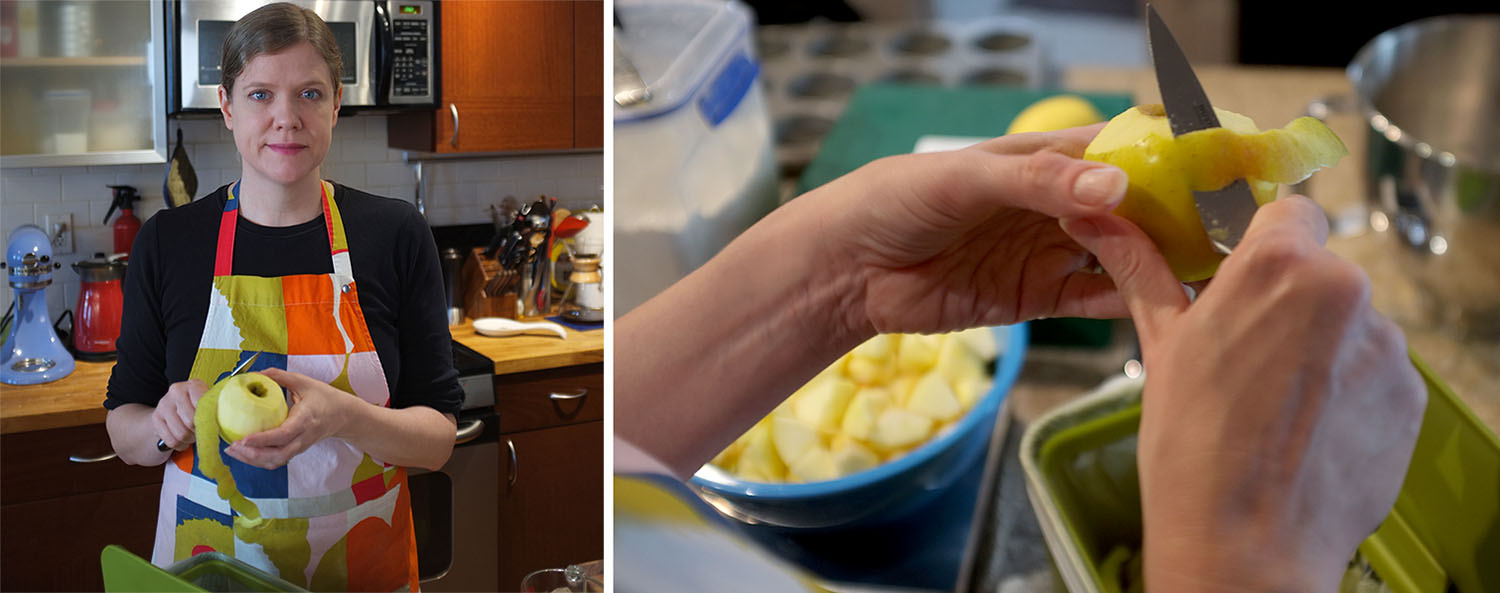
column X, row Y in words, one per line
column 1165, row 170
column 1055, row 113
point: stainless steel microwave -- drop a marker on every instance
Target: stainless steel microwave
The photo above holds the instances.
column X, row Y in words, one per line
column 390, row 50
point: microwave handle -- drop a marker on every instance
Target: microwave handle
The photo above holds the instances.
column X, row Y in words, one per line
column 384, row 55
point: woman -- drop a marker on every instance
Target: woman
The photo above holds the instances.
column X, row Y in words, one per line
column 336, row 292
column 1262, row 392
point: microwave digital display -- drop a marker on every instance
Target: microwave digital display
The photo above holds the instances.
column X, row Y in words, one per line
column 211, row 40
column 411, row 9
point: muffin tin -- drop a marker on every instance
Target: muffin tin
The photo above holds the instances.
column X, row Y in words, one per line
column 810, row 71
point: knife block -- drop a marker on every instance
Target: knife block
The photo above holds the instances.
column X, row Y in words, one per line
column 478, row 273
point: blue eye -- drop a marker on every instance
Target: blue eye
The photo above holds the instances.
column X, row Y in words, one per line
column 312, row 94
column 259, row 95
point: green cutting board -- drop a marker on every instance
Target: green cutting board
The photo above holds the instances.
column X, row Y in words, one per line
column 884, row 120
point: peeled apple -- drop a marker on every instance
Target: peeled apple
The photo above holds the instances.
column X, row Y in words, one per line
column 1165, row 170
column 884, row 398
column 249, row 403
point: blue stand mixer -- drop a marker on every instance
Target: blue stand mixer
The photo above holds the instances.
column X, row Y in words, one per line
column 32, row 353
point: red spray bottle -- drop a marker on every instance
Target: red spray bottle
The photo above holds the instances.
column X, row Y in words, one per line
column 127, row 224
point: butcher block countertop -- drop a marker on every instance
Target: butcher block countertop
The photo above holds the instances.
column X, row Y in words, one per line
column 77, row 399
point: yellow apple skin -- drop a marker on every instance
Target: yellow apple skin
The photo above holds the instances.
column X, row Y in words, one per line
column 1165, row 170
column 1055, row 113
column 249, row 403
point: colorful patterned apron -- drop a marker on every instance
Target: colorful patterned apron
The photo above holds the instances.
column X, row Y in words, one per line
column 339, row 520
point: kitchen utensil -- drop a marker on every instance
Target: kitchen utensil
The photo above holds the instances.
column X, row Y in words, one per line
column 1429, row 92
column 453, row 261
column 181, row 183
column 887, row 491
column 1225, row 212
column 572, row 579
column 1081, row 475
column 500, row 327
column 240, row 368
column 96, row 317
column 32, row 353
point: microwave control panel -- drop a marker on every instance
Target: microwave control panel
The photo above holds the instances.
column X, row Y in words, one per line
column 411, row 52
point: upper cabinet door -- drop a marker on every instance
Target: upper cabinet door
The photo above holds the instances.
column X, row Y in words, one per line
column 588, row 74
column 83, row 83
column 508, row 75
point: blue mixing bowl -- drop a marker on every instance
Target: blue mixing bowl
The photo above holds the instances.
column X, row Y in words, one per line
column 882, row 493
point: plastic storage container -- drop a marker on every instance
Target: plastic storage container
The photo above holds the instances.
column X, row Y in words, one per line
column 1441, row 536
column 693, row 164
column 209, row 571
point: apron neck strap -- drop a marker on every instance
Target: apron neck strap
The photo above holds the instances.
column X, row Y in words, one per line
column 333, row 223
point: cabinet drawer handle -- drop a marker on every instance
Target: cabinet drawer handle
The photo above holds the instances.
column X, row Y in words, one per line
column 575, row 394
column 453, row 140
column 470, row 430
column 81, row 459
column 510, row 480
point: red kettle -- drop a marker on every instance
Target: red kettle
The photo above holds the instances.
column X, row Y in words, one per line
column 101, row 303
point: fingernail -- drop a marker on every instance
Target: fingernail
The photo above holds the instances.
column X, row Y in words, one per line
column 1100, row 186
column 1080, row 228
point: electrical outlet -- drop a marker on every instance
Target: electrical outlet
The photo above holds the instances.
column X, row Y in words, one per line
column 60, row 228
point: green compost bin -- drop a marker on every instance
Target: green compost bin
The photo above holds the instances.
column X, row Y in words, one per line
column 1442, row 535
column 212, row 572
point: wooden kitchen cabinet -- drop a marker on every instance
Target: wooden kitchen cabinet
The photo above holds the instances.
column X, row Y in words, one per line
column 515, row 76
column 552, row 470
column 59, row 514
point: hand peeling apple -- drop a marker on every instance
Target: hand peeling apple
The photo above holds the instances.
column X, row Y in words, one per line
column 1165, row 170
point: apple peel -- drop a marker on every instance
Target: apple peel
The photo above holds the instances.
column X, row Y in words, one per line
column 1164, row 170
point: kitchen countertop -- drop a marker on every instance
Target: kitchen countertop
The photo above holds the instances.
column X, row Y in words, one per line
column 77, row 399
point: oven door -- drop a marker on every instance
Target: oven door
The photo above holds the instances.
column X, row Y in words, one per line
column 202, row 24
column 455, row 510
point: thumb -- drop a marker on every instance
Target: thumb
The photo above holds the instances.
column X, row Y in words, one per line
column 284, row 378
column 1142, row 276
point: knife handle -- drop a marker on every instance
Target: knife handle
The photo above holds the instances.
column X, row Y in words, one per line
column 162, row 446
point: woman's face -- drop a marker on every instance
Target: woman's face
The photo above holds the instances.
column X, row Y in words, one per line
column 282, row 114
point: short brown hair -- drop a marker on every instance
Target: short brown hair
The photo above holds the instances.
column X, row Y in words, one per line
column 272, row 28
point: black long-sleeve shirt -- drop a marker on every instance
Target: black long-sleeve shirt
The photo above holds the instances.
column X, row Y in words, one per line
column 395, row 265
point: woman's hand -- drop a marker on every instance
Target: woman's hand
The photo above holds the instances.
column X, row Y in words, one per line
column 953, row 240
column 172, row 419
column 1280, row 410
column 318, row 411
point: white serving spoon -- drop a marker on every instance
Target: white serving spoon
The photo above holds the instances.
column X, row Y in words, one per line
column 501, row 327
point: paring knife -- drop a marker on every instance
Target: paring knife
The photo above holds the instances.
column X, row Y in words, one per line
column 162, row 445
column 1225, row 212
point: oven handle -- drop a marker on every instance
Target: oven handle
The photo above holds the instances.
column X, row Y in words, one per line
column 510, row 480
column 468, row 431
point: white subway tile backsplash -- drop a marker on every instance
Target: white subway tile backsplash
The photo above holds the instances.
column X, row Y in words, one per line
column 390, row 174
column 85, row 188
column 350, row 174
column 217, row 156
column 14, row 215
column 31, row 188
column 362, row 150
column 203, row 131
column 66, row 171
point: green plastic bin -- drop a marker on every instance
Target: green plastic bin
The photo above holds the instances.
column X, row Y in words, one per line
column 1442, row 535
column 210, row 571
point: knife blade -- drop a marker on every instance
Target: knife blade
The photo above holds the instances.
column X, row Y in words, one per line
column 162, row 445
column 1226, row 212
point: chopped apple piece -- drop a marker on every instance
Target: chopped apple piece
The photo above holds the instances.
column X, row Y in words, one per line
column 981, row 341
column 759, row 457
column 933, row 398
column 879, row 347
column 854, row 457
column 898, row 428
column 957, row 363
column 871, row 371
column 864, row 408
column 917, row 353
column 972, row 391
column 823, row 404
column 792, row 436
column 814, row 465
